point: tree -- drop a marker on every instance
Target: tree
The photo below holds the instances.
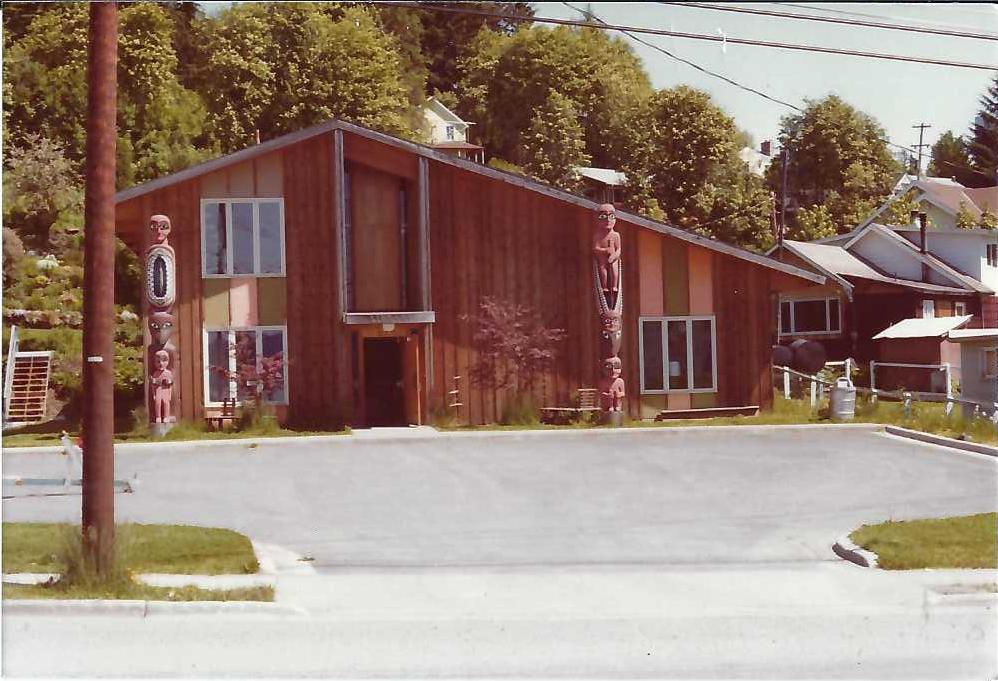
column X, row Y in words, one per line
column 505, row 80
column 950, row 159
column 514, row 345
column 983, row 142
column 837, row 158
column 553, row 144
column 680, row 158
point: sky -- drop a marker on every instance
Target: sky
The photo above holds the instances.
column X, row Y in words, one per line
column 898, row 94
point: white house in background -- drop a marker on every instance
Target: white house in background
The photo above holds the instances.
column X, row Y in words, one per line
column 448, row 132
column 759, row 159
column 971, row 251
column 941, row 199
column 599, row 183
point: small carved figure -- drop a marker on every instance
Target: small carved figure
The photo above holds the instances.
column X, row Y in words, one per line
column 162, row 389
column 161, row 328
column 606, row 250
column 160, row 227
column 612, row 388
column 612, row 331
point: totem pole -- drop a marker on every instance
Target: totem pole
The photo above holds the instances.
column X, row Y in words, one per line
column 607, row 281
column 161, row 355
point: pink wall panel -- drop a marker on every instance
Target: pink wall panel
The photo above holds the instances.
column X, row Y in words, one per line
column 650, row 272
column 242, row 301
column 679, row 400
column 701, row 281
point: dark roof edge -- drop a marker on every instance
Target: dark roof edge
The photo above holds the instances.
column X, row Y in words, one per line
column 427, row 152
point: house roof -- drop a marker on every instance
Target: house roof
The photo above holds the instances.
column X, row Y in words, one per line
column 839, row 264
column 923, row 327
column 455, row 145
column 445, row 113
column 606, row 176
column 972, row 335
column 985, row 198
column 470, row 166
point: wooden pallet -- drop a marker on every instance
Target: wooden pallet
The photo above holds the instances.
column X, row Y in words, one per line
column 29, row 386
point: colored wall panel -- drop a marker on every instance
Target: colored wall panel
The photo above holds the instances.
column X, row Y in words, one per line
column 675, row 276
column 651, row 405
column 215, row 186
column 701, row 281
column 242, row 301
column 215, row 304
column 650, row 273
column 703, row 400
column 679, row 401
column 241, row 185
column 271, row 295
column 269, row 176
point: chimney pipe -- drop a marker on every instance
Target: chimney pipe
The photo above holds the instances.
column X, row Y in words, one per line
column 766, row 148
column 923, row 223
column 914, row 219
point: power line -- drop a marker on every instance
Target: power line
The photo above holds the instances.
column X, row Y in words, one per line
column 747, row 88
column 698, row 36
column 831, row 20
column 830, row 10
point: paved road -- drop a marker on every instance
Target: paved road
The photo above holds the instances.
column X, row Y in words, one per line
column 673, row 554
column 670, row 497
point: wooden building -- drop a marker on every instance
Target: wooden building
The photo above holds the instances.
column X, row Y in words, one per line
column 357, row 255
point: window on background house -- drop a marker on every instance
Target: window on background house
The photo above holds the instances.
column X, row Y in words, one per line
column 959, row 309
column 928, row 309
column 678, row 354
column 990, row 363
column 991, row 251
column 227, row 349
column 450, row 133
column 242, row 237
column 813, row 316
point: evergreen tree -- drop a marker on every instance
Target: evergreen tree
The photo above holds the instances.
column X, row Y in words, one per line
column 950, row 159
column 983, row 142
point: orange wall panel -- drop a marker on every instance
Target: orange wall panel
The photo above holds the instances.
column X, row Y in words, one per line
column 701, row 281
column 650, row 273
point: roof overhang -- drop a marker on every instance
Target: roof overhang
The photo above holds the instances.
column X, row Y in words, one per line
column 470, row 166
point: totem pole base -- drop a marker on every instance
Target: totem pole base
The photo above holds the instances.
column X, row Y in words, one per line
column 614, row 419
column 161, row 429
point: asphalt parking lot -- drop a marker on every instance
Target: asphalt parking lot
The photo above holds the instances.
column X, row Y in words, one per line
column 670, row 497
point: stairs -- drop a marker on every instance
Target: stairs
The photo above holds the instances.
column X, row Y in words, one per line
column 28, row 388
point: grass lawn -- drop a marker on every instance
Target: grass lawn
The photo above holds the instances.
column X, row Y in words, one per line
column 179, row 549
column 181, row 432
column 961, row 542
column 139, row 592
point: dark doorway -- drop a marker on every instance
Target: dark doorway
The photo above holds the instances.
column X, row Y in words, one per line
column 384, row 398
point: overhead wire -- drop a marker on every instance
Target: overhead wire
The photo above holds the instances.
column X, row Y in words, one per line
column 697, row 36
column 830, row 10
column 833, row 20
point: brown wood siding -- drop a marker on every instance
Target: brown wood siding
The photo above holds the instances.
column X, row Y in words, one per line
column 316, row 336
column 376, row 243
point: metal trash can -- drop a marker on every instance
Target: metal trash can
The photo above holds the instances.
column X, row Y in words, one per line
column 842, row 401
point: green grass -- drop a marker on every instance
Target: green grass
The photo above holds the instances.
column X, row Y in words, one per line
column 179, row 549
column 135, row 591
column 961, row 542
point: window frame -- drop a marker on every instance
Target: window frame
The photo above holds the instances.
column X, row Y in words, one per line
column 993, row 366
column 450, row 132
column 793, row 315
column 957, row 305
column 928, row 305
column 230, row 250
column 664, row 320
column 991, row 254
column 232, row 330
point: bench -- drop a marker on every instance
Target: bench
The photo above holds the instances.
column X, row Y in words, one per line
column 710, row 413
column 588, row 403
column 228, row 413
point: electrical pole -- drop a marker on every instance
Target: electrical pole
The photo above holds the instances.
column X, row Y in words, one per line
column 98, row 288
column 783, row 193
column 920, row 146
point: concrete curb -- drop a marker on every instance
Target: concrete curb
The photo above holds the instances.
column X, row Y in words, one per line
column 146, row 608
column 943, row 441
column 443, row 434
column 844, row 548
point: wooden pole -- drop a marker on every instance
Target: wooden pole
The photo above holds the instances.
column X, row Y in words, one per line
column 98, row 289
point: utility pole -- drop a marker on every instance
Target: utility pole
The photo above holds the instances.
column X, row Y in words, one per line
column 921, row 132
column 98, row 288
column 783, row 192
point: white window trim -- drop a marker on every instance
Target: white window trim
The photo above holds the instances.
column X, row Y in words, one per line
column 928, row 306
column 959, row 308
column 664, row 320
column 993, row 367
column 793, row 321
column 232, row 359
column 988, row 250
column 229, row 250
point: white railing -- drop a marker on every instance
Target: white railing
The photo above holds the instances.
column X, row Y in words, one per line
column 8, row 379
column 944, row 367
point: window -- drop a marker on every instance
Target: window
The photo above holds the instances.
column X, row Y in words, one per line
column 242, row 237
column 928, row 309
column 959, row 309
column 678, row 354
column 811, row 316
column 226, row 349
column 450, row 133
column 991, row 363
column 991, row 251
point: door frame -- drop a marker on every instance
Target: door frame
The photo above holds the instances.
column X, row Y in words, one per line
column 414, row 369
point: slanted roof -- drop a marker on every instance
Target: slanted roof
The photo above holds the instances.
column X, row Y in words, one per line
column 933, row 261
column 445, row 113
column 972, row 335
column 985, row 198
column 470, row 166
column 923, row 327
column 614, row 178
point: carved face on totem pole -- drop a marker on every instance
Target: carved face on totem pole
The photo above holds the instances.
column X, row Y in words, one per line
column 162, row 360
column 161, row 327
column 159, row 226
column 612, row 367
column 612, row 332
column 606, row 216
